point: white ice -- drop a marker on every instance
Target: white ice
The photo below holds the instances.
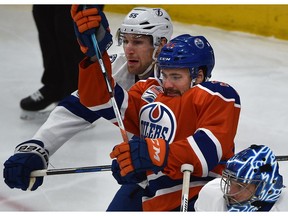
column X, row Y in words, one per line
column 255, row 66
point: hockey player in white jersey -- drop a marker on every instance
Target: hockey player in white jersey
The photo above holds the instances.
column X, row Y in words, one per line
column 251, row 182
column 143, row 33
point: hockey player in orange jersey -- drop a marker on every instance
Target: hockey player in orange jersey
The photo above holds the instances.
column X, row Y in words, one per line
column 175, row 121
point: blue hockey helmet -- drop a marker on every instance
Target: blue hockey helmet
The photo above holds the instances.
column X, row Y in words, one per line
column 186, row 51
column 254, row 165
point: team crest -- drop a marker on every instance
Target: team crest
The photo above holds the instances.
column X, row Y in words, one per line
column 158, row 12
column 157, row 121
column 199, row 43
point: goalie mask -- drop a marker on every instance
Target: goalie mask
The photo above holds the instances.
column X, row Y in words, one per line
column 251, row 180
column 186, row 51
column 147, row 21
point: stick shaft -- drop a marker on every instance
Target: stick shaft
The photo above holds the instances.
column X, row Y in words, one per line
column 45, row 172
column 187, row 169
column 110, row 90
column 282, row 158
column 185, row 191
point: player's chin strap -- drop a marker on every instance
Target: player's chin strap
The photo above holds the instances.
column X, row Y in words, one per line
column 142, row 75
column 193, row 76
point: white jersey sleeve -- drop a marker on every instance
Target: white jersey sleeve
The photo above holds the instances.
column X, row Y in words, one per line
column 211, row 198
column 61, row 126
column 71, row 117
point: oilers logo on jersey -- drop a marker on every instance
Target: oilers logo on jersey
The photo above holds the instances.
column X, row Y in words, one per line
column 157, row 121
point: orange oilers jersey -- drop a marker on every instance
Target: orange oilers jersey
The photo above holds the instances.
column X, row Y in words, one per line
column 200, row 127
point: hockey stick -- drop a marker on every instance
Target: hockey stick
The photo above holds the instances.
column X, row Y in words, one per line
column 187, row 169
column 282, row 158
column 110, row 90
column 45, row 172
column 109, row 87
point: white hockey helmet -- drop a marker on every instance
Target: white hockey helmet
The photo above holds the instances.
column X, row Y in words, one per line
column 147, row 21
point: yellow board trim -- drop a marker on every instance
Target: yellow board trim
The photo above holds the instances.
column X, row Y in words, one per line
column 266, row 20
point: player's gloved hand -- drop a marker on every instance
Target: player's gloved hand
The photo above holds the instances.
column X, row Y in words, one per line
column 28, row 156
column 87, row 22
column 140, row 155
column 131, row 178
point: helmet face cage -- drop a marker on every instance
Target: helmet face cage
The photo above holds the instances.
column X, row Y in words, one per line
column 186, row 51
column 255, row 165
column 243, row 191
column 147, row 21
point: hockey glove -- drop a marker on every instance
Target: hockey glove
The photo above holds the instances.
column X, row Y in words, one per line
column 131, row 178
column 140, row 155
column 28, row 156
column 87, row 22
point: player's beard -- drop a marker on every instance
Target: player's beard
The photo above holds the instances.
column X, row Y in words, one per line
column 172, row 92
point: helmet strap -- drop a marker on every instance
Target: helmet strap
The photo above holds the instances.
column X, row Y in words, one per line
column 193, row 83
column 154, row 53
column 152, row 64
column 142, row 75
column 193, row 77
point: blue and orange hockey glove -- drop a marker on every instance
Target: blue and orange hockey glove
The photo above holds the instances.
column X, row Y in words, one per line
column 140, row 155
column 88, row 21
column 131, row 178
